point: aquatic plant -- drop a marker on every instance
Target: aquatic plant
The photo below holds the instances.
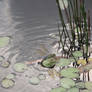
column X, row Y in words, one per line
column 76, row 37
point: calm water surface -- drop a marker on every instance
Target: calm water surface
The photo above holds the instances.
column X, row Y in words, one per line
column 28, row 22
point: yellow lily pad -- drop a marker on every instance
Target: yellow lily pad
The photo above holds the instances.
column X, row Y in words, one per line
column 82, row 61
column 89, row 59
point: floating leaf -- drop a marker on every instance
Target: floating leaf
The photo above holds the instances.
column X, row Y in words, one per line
column 62, row 5
column 48, row 63
column 88, row 85
column 10, row 76
column 7, row 83
column 85, row 90
column 82, row 61
column 77, row 54
column 63, row 62
column 70, row 73
column 59, row 89
column 20, row 67
column 67, row 83
column 73, row 89
column 4, row 41
column 80, row 85
column 34, row 81
column 5, row 64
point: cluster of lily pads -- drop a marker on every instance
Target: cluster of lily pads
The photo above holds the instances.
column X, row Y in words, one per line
column 70, row 75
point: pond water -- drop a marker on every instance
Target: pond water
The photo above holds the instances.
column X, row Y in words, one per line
column 29, row 22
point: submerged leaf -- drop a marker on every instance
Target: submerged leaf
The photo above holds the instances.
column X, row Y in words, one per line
column 59, row 89
column 34, row 81
column 67, row 83
column 4, row 41
column 20, row 67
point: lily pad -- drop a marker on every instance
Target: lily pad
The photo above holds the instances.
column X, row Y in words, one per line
column 7, row 83
column 4, row 41
column 41, row 76
column 82, row 62
column 34, row 81
column 62, row 5
column 89, row 59
column 85, row 90
column 70, row 73
column 5, row 64
column 48, row 63
column 20, row 67
column 88, row 67
column 80, row 85
column 67, row 83
column 73, row 89
column 63, row 62
column 10, row 76
column 77, row 54
column 88, row 85
column 59, row 89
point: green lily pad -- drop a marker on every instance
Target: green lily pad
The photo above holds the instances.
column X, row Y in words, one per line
column 10, row 76
column 7, row 83
column 5, row 64
column 34, row 81
column 77, row 54
column 70, row 73
column 20, row 67
column 88, row 85
column 73, row 89
column 80, row 85
column 85, row 90
column 4, row 41
column 63, row 62
column 48, row 63
column 59, row 89
column 67, row 83
column 62, row 5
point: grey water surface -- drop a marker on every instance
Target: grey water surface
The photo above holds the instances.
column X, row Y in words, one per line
column 29, row 22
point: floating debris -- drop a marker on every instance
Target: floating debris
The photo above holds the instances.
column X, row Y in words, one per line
column 20, row 67
column 34, row 81
column 4, row 41
column 67, row 83
column 59, row 89
column 42, row 76
column 7, row 83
